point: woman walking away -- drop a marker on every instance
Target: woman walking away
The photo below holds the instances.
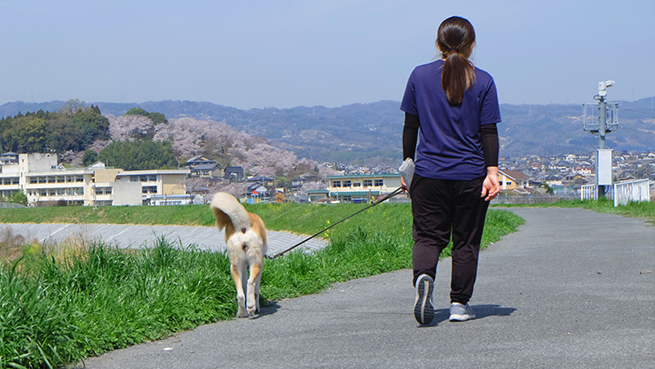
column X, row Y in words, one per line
column 454, row 107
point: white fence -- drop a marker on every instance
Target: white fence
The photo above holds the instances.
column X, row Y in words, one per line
column 589, row 192
column 620, row 192
column 637, row 190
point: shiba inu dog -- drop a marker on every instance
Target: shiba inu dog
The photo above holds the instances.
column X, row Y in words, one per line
column 245, row 237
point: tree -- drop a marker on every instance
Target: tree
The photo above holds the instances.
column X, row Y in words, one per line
column 93, row 123
column 18, row 197
column 280, row 198
column 139, row 155
column 89, row 157
column 32, row 138
column 72, row 107
column 63, row 135
column 156, row 118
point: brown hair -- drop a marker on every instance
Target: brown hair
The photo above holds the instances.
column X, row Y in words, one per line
column 455, row 40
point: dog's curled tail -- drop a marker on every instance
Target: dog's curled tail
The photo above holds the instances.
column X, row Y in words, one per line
column 227, row 209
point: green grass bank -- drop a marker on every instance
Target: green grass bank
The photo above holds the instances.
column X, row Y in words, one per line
column 63, row 303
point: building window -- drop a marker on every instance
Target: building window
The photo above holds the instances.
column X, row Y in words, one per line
column 79, row 178
column 60, row 191
column 108, row 191
column 148, row 189
column 347, row 183
column 143, row 178
column 152, row 178
column 379, row 182
column 42, row 180
column 357, row 184
column 69, row 178
column 336, row 183
column 61, row 179
column 51, row 179
column 509, row 183
column 33, row 180
column 15, row 180
column 368, row 182
column 43, row 192
column 79, row 191
column 53, row 192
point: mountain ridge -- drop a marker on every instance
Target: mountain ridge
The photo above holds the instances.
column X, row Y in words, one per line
column 371, row 133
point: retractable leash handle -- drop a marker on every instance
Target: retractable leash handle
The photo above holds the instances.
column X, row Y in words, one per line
column 387, row 197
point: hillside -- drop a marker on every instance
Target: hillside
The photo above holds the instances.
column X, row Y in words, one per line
column 371, row 133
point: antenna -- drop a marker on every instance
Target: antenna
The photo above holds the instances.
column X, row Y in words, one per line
column 605, row 121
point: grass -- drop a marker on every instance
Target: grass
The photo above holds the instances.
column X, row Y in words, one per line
column 62, row 303
column 641, row 209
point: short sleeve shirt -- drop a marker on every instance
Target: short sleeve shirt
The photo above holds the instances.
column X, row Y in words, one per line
column 449, row 145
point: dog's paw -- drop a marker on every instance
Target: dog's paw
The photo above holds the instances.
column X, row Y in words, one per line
column 252, row 312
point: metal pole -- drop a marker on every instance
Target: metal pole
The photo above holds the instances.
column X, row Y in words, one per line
column 602, row 116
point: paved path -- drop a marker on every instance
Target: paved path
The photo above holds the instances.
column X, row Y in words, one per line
column 134, row 236
column 572, row 289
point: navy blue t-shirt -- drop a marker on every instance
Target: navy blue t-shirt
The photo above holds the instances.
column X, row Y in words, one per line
column 449, row 140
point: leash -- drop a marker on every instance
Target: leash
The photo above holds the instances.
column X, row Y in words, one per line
column 388, row 196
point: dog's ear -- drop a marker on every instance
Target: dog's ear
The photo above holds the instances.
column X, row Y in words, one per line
column 221, row 218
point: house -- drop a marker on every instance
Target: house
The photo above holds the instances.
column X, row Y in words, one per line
column 361, row 187
column 297, row 183
column 512, row 180
column 318, row 195
column 234, row 174
column 266, row 181
column 203, row 167
column 9, row 158
column 574, row 180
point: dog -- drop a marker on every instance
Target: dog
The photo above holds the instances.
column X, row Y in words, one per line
column 245, row 236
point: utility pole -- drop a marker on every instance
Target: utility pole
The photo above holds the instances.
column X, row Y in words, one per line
column 607, row 122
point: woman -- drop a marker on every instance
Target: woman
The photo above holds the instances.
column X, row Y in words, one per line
column 454, row 107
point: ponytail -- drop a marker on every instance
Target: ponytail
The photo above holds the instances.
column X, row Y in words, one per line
column 455, row 39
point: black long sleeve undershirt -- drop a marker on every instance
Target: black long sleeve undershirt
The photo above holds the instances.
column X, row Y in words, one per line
column 488, row 133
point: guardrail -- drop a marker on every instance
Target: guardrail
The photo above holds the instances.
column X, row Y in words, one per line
column 620, row 192
column 636, row 190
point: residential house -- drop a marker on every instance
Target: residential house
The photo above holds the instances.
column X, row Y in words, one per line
column 203, row 167
column 512, row 180
column 234, row 174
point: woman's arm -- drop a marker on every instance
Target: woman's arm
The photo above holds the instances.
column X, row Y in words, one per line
column 410, row 134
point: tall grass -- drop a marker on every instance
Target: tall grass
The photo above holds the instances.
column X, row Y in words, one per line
column 58, row 306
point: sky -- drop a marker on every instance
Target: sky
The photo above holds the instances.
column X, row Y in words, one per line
column 283, row 54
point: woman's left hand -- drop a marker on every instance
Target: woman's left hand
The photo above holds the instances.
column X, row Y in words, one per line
column 490, row 186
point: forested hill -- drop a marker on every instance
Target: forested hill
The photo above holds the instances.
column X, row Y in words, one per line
column 372, row 132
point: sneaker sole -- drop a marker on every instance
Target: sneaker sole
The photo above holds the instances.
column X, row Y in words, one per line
column 423, row 310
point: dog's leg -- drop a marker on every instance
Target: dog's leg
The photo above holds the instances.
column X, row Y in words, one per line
column 257, row 281
column 238, row 275
column 253, row 290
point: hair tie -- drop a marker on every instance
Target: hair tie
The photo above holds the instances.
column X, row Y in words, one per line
column 453, row 48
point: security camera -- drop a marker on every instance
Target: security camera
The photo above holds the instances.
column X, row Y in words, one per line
column 602, row 87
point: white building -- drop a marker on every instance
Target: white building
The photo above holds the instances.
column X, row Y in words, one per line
column 43, row 181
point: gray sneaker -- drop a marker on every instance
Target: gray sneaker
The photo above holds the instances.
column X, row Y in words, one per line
column 461, row 313
column 423, row 310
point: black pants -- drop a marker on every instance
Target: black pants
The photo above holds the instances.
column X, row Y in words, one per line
column 441, row 208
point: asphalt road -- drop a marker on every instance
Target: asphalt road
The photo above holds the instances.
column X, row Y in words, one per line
column 136, row 236
column 571, row 289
